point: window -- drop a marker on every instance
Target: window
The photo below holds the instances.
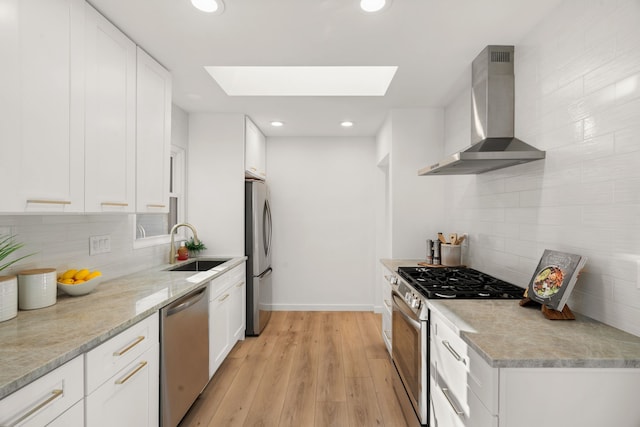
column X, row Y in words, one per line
column 153, row 229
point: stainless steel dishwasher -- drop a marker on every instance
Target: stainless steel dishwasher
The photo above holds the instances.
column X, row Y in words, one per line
column 184, row 354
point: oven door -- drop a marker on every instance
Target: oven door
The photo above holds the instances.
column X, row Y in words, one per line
column 409, row 351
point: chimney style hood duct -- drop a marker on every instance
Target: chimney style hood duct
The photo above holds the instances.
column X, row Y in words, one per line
column 493, row 145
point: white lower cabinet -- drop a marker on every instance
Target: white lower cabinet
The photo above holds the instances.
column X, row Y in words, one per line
column 47, row 400
column 467, row 392
column 122, row 378
column 227, row 320
column 130, row 398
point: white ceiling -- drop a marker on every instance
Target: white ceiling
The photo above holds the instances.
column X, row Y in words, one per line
column 431, row 41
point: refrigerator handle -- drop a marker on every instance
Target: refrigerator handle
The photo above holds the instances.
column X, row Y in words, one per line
column 265, row 273
column 267, row 227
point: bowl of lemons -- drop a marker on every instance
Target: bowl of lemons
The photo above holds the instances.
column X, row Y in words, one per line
column 79, row 282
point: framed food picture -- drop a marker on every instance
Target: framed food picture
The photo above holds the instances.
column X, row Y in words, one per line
column 554, row 278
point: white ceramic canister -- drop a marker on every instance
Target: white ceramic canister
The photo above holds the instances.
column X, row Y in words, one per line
column 451, row 255
column 8, row 297
column 37, row 288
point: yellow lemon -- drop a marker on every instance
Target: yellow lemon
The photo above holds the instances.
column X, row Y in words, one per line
column 69, row 274
column 80, row 275
column 92, row 275
column 77, row 282
column 67, row 281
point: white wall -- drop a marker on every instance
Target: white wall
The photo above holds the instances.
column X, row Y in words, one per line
column 322, row 198
column 215, row 182
column 62, row 241
column 578, row 98
column 416, row 209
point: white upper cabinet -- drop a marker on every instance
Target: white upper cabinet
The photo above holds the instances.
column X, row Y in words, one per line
column 255, row 154
column 42, row 83
column 153, row 135
column 110, row 127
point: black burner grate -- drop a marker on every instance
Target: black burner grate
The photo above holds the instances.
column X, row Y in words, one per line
column 457, row 282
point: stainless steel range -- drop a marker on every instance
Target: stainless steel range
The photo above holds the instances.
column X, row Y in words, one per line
column 410, row 324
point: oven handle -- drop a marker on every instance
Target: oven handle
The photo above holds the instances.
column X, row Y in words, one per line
column 405, row 312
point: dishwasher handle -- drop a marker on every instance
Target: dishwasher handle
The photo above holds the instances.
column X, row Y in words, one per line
column 185, row 302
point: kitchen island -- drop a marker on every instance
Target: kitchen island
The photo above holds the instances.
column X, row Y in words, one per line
column 39, row 341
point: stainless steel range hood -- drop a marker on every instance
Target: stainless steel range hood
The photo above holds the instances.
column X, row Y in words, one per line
column 492, row 125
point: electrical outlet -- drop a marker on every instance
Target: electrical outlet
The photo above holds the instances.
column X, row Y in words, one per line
column 5, row 231
column 100, row 244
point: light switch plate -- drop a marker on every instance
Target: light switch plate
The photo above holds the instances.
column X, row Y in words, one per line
column 99, row 244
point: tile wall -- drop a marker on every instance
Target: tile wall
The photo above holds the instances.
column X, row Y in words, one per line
column 578, row 98
column 62, row 242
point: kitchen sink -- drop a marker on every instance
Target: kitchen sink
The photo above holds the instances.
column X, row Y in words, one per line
column 200, row 265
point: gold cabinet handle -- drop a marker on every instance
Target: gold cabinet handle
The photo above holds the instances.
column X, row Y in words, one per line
column 132, row 373
column 114, row 204
column 455, row 408
column 130, row 346
column 49, row 202
column 239, row 284
column 223, row 298
column 153, row 205
column 55, row 394
column 388, row 335
column 387, row 303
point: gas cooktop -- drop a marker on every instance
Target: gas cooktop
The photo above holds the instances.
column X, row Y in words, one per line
column 458, row 282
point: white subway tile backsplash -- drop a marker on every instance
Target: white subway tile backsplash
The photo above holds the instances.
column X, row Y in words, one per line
column 62, row 242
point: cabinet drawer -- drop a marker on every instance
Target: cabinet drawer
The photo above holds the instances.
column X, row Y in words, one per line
column 111, row 356
column 233, row 277
column 45, row 399
column 73, row 417
column 447, row 411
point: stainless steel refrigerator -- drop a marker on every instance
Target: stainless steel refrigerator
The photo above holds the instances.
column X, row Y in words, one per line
column 258, row 250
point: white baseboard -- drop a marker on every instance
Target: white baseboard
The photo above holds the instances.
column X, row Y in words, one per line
column 323, row 307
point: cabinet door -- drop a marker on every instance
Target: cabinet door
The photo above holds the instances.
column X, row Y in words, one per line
column 129, row 398
column 237, row 313
column 153, row 135
column 386, row 307
column 255, row 151
column 110, row 115
column 42, row 87
column 219, row 330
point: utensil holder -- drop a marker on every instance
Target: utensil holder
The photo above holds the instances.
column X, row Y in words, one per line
column 37, row 288
column 451, row 255
column 8, row 297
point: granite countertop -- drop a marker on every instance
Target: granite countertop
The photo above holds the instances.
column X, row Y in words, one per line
column 38, row 341
column 507, row 335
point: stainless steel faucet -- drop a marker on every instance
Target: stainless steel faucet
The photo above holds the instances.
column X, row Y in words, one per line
column 172, row 249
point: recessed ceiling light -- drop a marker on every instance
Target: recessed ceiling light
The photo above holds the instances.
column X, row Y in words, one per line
column 374, row 5
column 303, row 80
column 346, row 124
column 277, row 123
column 209, row 6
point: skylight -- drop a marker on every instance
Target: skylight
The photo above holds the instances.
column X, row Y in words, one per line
column 303, row 80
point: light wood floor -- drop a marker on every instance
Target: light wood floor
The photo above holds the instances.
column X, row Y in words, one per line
column 307, row 369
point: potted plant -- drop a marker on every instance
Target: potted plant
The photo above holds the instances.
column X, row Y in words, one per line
column 7, row 247
column 194, row 248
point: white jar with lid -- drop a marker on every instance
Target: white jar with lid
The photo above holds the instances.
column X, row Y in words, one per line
column 37, row 288
column 8, row 297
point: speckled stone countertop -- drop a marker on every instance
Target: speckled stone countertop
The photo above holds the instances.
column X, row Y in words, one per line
column 507, row 335
column 38, row 341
